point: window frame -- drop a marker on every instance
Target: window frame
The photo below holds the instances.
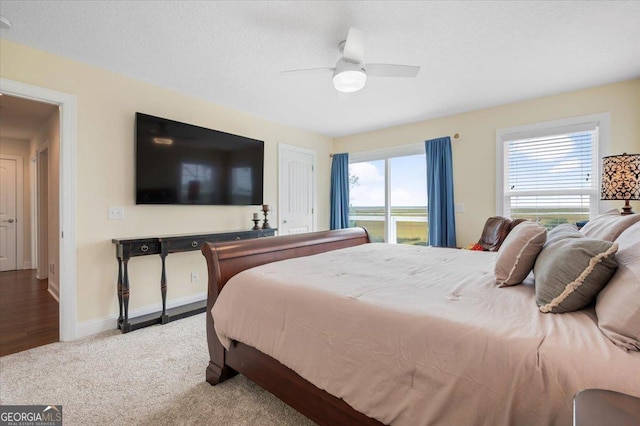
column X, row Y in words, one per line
column 386, row 154
column 546, row 128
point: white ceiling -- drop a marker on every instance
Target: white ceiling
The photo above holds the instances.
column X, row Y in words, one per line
column 473, row 54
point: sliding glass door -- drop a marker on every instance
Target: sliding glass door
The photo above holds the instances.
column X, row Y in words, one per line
column 367, row 197
column 388, row 195
column 408, row 200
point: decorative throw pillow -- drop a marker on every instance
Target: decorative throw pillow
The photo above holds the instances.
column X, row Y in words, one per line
column 571, row 271
column 618, row 304
column 566, row 230
column 609, row 226
column 518, row 253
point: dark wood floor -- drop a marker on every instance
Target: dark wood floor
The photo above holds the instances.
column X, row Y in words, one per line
column 28, row 313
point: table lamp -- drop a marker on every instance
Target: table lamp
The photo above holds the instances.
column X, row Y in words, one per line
column 621, row 179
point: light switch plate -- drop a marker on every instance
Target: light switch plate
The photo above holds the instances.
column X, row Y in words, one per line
column 116, row 213
column 459, row 207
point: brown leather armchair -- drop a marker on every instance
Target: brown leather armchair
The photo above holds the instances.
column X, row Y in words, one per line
column 495, row 230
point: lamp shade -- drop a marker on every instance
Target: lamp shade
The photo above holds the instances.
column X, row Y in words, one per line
column 621, row 177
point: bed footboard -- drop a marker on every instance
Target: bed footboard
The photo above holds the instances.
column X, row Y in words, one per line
column 226, row 259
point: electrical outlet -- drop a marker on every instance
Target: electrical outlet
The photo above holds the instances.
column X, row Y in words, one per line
column 52, row 268
column 459, row 207
column 194, row 277
column 116, row 212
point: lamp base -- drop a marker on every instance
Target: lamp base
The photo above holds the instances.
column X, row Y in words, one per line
column 626, row 209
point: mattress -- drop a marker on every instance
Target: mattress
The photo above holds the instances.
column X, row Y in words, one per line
column 415, row 335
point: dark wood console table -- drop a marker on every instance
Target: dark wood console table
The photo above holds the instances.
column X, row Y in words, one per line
column 127, row 248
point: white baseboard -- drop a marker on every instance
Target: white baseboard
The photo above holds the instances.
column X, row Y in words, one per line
column 53, row 289
column 99, row 325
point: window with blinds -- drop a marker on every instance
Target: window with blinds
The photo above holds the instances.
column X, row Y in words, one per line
column 551, row 175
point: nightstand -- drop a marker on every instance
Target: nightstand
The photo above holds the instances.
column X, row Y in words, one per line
column 597, row 407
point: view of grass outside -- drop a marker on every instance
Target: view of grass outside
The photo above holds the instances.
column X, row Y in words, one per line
column 409, row 224
column 552, row 217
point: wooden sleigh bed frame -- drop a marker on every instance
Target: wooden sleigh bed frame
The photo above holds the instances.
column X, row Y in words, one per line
column 224, row 260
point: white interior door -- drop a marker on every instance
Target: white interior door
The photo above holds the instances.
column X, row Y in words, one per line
column 8, row 216
column 297, row 190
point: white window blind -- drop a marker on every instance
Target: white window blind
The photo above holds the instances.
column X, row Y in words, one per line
column 552, row 176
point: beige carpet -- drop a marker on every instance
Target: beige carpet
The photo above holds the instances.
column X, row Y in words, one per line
column 152, row 376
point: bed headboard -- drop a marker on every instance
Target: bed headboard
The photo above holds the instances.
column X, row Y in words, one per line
column 226, row 259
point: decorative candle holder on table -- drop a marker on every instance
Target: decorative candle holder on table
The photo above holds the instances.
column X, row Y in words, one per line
column 265, row 211
column 256, row 219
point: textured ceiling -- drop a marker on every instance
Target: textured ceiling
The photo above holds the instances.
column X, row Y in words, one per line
column 473, row 54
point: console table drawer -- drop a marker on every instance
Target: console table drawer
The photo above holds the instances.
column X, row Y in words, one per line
column 184, row 244
column 149, row 248
column 180, row 244
column 141, row 248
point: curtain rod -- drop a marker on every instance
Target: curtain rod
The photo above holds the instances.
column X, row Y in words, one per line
column 455, row 136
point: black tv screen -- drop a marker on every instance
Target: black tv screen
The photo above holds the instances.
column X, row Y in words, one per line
column 178, row 163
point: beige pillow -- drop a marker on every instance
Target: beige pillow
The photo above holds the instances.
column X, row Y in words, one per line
column 518, row 253
column 571, row 271
column 618, row 304
column 608, row 226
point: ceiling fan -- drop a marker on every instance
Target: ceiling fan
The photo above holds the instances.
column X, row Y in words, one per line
column 350, row 73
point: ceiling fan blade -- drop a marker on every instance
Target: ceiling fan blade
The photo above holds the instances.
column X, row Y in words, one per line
column 354, row 46
column 308, row 71
column 391, row 70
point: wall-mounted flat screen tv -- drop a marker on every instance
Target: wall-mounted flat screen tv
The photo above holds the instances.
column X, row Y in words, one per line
column 178, row 163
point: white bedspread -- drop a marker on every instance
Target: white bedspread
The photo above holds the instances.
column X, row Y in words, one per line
column 414, row 335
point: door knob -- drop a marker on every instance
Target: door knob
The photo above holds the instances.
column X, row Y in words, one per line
column 285, row 221
column 10, row 220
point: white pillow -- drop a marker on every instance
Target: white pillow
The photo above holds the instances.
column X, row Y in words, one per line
column 618, row 304
column 608, row 226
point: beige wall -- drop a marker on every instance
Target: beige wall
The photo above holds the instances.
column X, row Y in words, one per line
column 106, row 104
column 21, row 148
column 474, row 153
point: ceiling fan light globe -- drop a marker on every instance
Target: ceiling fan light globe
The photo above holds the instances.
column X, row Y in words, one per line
column 349, row 80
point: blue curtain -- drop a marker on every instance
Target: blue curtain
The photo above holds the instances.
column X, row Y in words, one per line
column 340, row 191
column 442, row 222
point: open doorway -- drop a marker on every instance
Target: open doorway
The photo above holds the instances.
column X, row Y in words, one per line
column 29, row 209
column 66, row 195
